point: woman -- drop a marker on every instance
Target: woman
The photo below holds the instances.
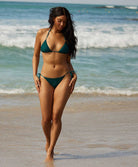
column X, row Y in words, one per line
column 57, row 79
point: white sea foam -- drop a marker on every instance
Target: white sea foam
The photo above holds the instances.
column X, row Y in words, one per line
column 81, row 89
column 105, row 35
column 109, row 6
column 105, row 91
column 89, row 36
column 131, row 7
column 21, row 36
column 12, row 91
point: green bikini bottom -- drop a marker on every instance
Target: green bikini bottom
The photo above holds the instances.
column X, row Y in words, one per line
column 55, row 81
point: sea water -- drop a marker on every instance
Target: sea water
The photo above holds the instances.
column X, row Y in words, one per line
column 107, row 51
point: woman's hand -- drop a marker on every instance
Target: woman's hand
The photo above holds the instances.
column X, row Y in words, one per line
column 37, row 83
column 72, row 82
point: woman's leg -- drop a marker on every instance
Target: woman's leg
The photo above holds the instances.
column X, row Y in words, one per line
column 61, row 95
column 46, row 101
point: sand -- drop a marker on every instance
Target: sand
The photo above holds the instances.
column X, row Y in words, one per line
column 97, row 131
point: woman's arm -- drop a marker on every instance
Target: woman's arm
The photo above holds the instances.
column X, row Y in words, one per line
column 35, row 60
column 74, row 79
column 36, row 56
column 71, row 67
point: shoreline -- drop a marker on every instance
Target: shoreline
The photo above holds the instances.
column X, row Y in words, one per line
column 78, row 102
column 75, row 93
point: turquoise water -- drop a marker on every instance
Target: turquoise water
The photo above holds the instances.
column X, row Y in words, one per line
column 107, row 57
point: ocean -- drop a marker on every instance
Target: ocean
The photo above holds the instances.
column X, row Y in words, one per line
column 107, row 58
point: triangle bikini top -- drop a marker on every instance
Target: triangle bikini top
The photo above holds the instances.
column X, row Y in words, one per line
column 45, row 48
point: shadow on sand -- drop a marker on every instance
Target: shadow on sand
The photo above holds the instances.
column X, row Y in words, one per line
column 104, row 155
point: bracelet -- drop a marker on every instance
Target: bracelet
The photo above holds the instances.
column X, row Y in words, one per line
column 72, row 71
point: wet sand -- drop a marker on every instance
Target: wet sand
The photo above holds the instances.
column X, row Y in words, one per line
column 97, row 131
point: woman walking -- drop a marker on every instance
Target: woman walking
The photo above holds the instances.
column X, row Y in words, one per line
column 57, row 79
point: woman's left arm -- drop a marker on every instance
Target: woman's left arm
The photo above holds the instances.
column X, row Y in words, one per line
column 74, row 78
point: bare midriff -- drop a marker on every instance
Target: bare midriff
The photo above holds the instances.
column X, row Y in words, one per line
column 54, row 64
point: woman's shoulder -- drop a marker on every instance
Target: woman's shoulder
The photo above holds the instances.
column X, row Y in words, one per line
column 42, row 31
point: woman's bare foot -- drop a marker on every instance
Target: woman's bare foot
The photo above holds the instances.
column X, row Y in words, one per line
column 49, row 156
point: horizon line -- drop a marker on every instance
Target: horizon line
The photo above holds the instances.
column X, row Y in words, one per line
column 67, row 3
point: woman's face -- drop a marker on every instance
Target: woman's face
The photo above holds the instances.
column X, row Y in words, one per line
column 60, row 22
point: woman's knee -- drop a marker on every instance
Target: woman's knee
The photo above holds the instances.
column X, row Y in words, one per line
column 56, row 117
column 45, row 121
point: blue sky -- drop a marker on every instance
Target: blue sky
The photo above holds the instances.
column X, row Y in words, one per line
column 107, row 2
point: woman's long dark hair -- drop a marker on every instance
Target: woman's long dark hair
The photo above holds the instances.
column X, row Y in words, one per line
column 68, row 31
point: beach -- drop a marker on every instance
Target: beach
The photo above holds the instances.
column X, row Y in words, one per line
column 96, row 130
column 100, row 120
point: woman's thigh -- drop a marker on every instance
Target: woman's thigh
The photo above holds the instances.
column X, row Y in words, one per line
column 46, row 99
column 61, row 96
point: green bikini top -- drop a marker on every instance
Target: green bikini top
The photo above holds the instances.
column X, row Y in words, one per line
column 45, row 48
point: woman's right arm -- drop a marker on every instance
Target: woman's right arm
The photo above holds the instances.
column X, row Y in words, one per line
column 35, row 60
